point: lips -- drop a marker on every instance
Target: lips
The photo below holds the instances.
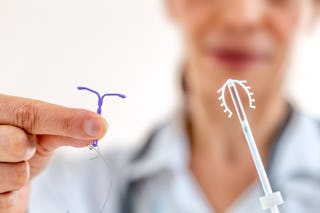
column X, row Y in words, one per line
column 236, row 57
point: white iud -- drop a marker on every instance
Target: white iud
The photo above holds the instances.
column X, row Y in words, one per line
column 271, row 200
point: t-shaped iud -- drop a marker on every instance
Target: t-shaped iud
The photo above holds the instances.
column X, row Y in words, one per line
column 271, row 200
column 100, row 102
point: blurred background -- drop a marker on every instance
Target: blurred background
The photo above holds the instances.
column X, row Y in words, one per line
column 48, row 48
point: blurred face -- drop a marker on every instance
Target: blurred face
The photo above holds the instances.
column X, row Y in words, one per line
column 241, row 39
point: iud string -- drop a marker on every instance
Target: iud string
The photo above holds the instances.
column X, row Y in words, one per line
column 94, row 146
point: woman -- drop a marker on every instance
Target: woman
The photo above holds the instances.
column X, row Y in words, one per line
column 198, row 161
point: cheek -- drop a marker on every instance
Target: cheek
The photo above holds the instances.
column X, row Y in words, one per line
column 195, row 17
column 284, row 24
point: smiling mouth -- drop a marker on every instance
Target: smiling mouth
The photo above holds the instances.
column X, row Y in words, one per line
column 236, row 58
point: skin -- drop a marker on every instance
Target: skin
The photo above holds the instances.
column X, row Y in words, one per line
column 268, row 28
column 31, row 130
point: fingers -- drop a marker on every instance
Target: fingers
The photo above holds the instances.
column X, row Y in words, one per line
column 15, row 144
column 7, row 200
column 14, row 176
column 46, row 145
column 15, row 201
column 39, row 117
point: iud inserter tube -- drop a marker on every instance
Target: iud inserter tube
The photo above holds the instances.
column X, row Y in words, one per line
column 271, row 200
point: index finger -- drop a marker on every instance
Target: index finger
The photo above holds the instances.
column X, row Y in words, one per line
column 38, row 117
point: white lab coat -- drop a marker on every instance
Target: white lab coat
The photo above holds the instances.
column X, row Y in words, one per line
column 156, row 178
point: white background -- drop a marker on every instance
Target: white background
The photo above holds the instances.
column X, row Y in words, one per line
column 48, row 48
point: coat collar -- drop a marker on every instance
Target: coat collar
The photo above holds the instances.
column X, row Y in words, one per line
column 168, row 149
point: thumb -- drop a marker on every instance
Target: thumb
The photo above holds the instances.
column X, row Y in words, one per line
column 37, row 117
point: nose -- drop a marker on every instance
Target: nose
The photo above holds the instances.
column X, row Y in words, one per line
column 241, row 16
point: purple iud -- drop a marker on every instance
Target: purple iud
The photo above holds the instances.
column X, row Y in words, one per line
column 100, row 102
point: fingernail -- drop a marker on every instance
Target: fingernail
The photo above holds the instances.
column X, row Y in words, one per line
column 95, row 128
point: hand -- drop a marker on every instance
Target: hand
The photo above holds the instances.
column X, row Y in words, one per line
column 30, row 131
